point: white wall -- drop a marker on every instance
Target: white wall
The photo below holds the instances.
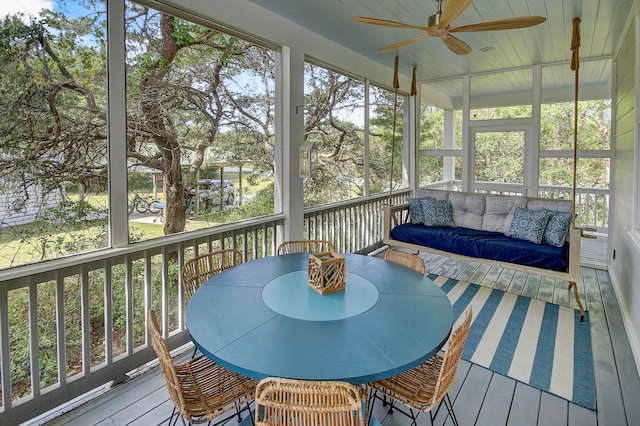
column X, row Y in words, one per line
column 624, row 239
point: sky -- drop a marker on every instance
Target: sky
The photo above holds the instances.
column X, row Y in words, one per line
column 29, row 7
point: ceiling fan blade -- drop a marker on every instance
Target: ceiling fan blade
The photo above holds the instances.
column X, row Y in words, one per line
column 453, row 9
column 403, row 43
column 385, row 23
column 500, row 24
column 456, row 45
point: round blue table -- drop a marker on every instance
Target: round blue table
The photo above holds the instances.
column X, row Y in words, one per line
column 262, row 319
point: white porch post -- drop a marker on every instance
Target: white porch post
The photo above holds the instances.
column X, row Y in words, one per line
column 532, row 155
column 117, row 125
column 468, row 149
column 411, row 139
column 449, row 163
column 289, row 137
column 367, row 160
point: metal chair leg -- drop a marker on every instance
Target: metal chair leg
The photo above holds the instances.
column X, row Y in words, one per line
column 449, row 405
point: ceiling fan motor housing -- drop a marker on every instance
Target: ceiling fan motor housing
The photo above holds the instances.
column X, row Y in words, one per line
column 434, row 19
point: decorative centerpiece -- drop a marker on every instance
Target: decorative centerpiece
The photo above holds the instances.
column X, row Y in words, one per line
column 326, row 272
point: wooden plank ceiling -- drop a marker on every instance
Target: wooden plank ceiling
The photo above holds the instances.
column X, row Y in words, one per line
column 548, row 43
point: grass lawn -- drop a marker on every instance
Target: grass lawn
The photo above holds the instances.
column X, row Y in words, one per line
column 34, row 242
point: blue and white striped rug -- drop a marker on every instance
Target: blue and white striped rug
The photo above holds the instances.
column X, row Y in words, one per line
column 539, row 343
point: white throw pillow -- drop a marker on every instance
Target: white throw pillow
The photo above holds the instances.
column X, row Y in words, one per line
column 468, row 210
column 499, row 212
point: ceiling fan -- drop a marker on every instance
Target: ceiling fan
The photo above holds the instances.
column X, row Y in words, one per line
column 438, row 25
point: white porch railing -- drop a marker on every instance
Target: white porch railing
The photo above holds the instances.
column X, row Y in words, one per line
column 352, row 225
column 95, row 331
column 592, row 204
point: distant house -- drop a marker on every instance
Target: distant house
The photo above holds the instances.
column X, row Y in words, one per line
column 19, row 206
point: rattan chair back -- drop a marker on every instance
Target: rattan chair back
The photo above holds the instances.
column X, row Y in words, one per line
column 198, row 270
column 408, row 260
column 200, row 389
column 305, row 246
column 424, row 387
column 451, row 358
column 165, row 361
column 299, row 402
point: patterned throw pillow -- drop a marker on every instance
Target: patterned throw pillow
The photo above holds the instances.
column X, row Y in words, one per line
column 557, row 228
column 437, row 212
column 415, row 210
column 528, row 225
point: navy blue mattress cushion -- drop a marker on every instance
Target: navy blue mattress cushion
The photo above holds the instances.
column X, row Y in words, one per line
column 484, row 244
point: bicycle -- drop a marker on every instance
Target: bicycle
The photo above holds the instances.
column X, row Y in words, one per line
column 144, row 204
column 155, row 206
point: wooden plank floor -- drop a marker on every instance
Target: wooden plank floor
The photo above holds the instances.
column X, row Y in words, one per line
column 593, row 252
column 480, row 397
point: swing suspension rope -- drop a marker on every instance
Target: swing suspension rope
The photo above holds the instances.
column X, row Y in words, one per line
column 575, row 65
column 396, row 85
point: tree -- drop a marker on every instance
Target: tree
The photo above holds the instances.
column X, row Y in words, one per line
column 52, row 125
column 183, row 93
column 186, row 84
column 192, row 94
column 334, row 121
column 385, row 143
column 556, row 134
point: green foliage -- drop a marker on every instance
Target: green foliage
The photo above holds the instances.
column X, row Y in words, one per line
column 331, row 99
column 334, row 110
column 386, row 137
column 261, row 203
column 139, row 181
column 501, row 113
column 499, row 156
column 431, row 128
column 47, row 324
column 13, row 29
column 62, row 229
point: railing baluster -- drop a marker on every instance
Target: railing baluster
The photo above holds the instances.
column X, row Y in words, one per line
column 108, row 313
column 85, row 323
column 61, row 339
column 33, row 338
column 128, row 291
column 5, row 365
column 114, row 274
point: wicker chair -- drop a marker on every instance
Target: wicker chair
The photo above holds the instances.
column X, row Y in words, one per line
column 408, row 260
column 198, row 270
column 305, row 246
column 200, row 389
column 300, row 402
column 426, row 386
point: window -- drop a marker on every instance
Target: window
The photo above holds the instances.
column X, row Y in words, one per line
column 555, row 168
column 440, row 172
column 334, row 121
column 199, row 115
column 440, row 142
column 386, row 120
column 499, row 159
column 53, row 148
